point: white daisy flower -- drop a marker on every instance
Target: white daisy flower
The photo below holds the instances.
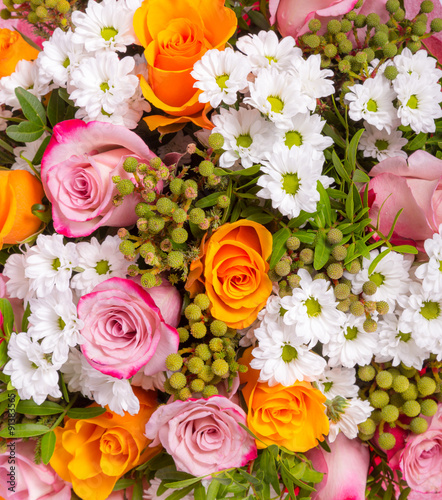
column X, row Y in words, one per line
column 247, row 136
column 355, row 412
column 431, row 272
column 373, row 101
column 103, row 83
column 18, row 285
column 105, row 25
column 380, row 144
column 419, row 102
column 338, row 381
column 397, row 343
column 290, row 180
column 149, row 382
column 278, row 96
column 4, row 115
column 420, row 63
column 221, row 75
column 312, row 310
column 352, row 345
column 31, row 371
column 49, row 264
column 28, row 151
column 265, row 50
column 54, row 321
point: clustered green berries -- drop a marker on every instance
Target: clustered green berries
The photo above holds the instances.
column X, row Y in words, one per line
column 46, row 14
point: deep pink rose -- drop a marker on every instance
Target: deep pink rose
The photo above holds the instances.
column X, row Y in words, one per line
column 77, row 170
column 124, row 330
column 32, row 481
column 345, row 469
column 416, row 187
column 202, row 435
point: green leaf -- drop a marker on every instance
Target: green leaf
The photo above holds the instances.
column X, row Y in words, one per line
column 360, row 176
column 29, row 407
column 322, row 251
column 64, row 389
column 298, row 470
column 404, row 494
column 331, row 132
column 56, row 108
column 339, row 167
column 236, row 211
column 325, row 202
column 405, row 249
column 63, row 93
column 25, row 132
column 32, row 108
column 3, row 406
column 40, row 152
column 8, row 316
column 305, row 237
column 418, row 142
column 251, row 479
column 3, row 352
column 6, row 146
column 28, row 40
column 137, row 492
column 353, row 148
column 210, row 200
column 79, row 413
column 261, row 218
column 123, row 483
column 183, row 483
column 177, row 495
column 213, row 488
column 376, row 261
column 25, row 320
column 349, row 204
column 301, row 219
column 24, row 431
column 200, row 492
column 279, row 248
column 6, row 394
column 258, row 19
column 42, row 212
column 48, row 446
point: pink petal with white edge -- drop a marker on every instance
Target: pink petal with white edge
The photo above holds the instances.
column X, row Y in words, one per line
column 168, row 344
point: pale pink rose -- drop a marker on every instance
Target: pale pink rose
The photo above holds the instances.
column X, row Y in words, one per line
column 416, row 187
column 17, row 304
column 32, row 481
column 345, row 469
column 124, row 330
column 77, row 170
column 168, row 299
column 202, row 435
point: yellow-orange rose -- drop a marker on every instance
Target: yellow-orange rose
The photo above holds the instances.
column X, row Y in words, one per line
column 176, row 34
column 94, row 453
column 233, row 268
column 293, row 417
column 19, row 190
column 13, row 48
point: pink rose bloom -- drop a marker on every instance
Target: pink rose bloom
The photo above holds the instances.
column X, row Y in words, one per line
column 202, row 435
column 32, row 481
column 345, row 469
column 77, row 170
column 416, row 187
column 125, row 330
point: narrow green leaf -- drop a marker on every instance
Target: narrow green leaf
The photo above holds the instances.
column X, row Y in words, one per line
column 3, row 406
column 251, row 479
column 306, row 237
column 353, row 148
column 377, row 260
column 6, row 146
column 199, row 492
column 25, row 320
column 404, row 494
column 213, row 488
column 32, row 108
column 258, row 20
column 56, row 108
column 279, row 248
column 25, row 132
column 236, row 211
column 331, row 132
column 209, row 200
column 177, row 495
column 7, row 394
column 418, row 142
column 325, row 202
column 298, row 470
column 48, row 446
column 63, row 93
column 301, row 219
column 40, row 152
column 3, row 352
column 322, row 252
column 123, row 483
column 360, row 176
column 137, row 492
column 64, row 389
column 8, row 316
column 340, row 168
column 349, row 204
column 183, row 483
column 261, row 218
column 24, row 431
column 79, row 413
column 28, row 407
column 28, row 40
column 405, row 249
column 390, row 234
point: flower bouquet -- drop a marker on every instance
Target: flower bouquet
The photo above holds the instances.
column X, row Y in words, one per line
column 220, row 249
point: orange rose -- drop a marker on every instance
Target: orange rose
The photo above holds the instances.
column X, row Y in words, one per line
column 94, row 453
column 233, row 268
column 13, row 48
column 176, row 34
column 19, row 190
column 293, row 417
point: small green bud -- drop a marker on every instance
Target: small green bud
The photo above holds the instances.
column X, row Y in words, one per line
column 197, row 215
column 148, row 280
column 419, row 29
column 389, row 50
column 370, row 54
column 143, row 210
column 418, row 425
column 195, row 364
column 41, row 11
column 5, row 14
column 360, row 21
column 183, row 333
column 130, row 164
column 306, row 256
column 218, row 328
column 155, row 224
column 179, row 235
column 426, row 386
column 382, row 307
column 198, row 330
column 366, row 373
column 164, row 205
column 390, row 413
column 179, row 216
column 436, row 24
column 125, row 187
column 314, row 25
column 370, row 325
column 220, row 367
column 400, row 383
column 427, row 6
column 178, row 380
column 387, row 441
column 335, row 271
column 184, row 394
column 202, row 301
column 176, row 186
column 206, row 168
column 174, row 362
column 357, row 308
column 414, row 46
column 373, row 20
column 197, row 385
column 369, row 288
column 355, row 267
column 293, row 281
column 344, row 305
column 311, row 41
column 428, row 407
column 192, row 312
column 190, row 189
column 32, row 17
column 223, row 201
column 63, row 6
column 293, row 243
column 345, row 46
column 216, row 345
column 411, row 408
column 206, row 374
column 379, row 399
column 411, row 393
column 339, row 253
column 282, row 268
column 209, row 391
column 149, row 196
column 391, row 72
column 333, row 27
column 334, row 236
column 361, row 57
column 392, row 6
column 396, row 400
column 342, row 291
column 367, row 427
column 407, row 371
column 344, row 66
column 203, row 352
column 127, row 247
column 216, row 141
column 399, row 15
column 380, row 39
column 384, row 379
column 346, row 26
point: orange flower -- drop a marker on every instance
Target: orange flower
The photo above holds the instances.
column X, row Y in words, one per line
column 13, row 48
column 94, row 453
column 293, row 417
column 232, row 265
column 176, row 34
column 19, row 190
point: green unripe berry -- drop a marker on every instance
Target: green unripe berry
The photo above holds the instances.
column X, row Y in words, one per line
column 209, row 391
column 63, row 6
column 143, row 210
column 197, row 385
column 428, row 407
column 399, row 15
column 206, row 168
column 202, row 301
column 330, row 50
column 218, row 328
column 179, row 216
column 400, row 384
column 223, row 201
column 206, row 374
column 418, row 425
column 369, row 288
column 184, row 394
column 312, row 41
column 130, row 164
column 376, row 416
column 334, row 236
column 125, row 187
column 411, row 393
column 361, row 57
column 216, row 141
column 355, row 267
column 175, row 260
column 414, row 46
column 293, row 243
column 195, row 364
column 344, row 305
column 367, row 427
column 379, row 399
column 333, row 26
column 387, row 441
column 176, row 186
column 155, row 224
column 294, row 280
column 345, row 46
column 174, row 362
column 164, row 205
column 427, row 6
column 380, row 39
column 179, row 235
column 127, row 247
column 183, row 333
column 370, row 325
column 314, row 25
column 192, row 312
column 220, row 367
column 391, row 72
column 148, row 280
column 436, row 24
column 178, row 380
column 197, row 215
column 351, row 16
column 32, row 17
column 306, row 256
column 360, row 21
column 411, row 408
column 357, row 308
column 216, row 345
column 419, row 29
column 396, row 400
column 370, row 54
column 373, row 20
column 346, row 26
column 282, row 268
column 426, row 386
column 198, row 330
column 344, row 66
column 335, row 271
column 407, row 371
column 390, row 413
column 384, row 379
column 389, row 50
column 392, row 6
column 342, row 291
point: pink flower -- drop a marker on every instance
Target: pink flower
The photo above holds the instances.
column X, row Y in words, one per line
column 124, row 330
column 29, row 480
column 202, row 435
column 168, row 299
column 345, row 469
column 17, row 304
column 416, row 187
column 77, row 170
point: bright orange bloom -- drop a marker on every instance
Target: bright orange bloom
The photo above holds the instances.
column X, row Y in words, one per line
column 13, row 48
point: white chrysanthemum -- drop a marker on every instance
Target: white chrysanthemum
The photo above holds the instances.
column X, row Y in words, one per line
column 380, row 144
column 420, row 63
column 32, row 374
column 352, row 345
column 54, row 321
column 282, row 358
column 28, row 151
column 373, row 102
column 221, row 75
column 247, row 136
column 149, row 382
column 431, row 272
column 4, row 115
column 311, row 309
column 100, row 262
column 105, row 25
column 355, row 412
column 18, row 284
column 397, row 344
column 304, row 129
column 314, row 80
column 278, row 96
column 26, row 76
column 105, row 390
column 338, row 381
column 49, row 264
column 419, row 102
column 290, row 180
column 390, row 275
column 265, row 50
column 103, row 83
column 60, row 56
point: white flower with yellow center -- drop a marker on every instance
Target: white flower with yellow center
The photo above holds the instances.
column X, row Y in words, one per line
column 420, row 63
column 338, row 381
column 350, row 414
column 380, row 144
column 431, row 272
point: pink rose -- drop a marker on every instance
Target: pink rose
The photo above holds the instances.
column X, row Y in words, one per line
column 202, row 435
column 32, row 481
column 345, row 469
column 77, row 170
column 416, row 187
column 124, row 330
